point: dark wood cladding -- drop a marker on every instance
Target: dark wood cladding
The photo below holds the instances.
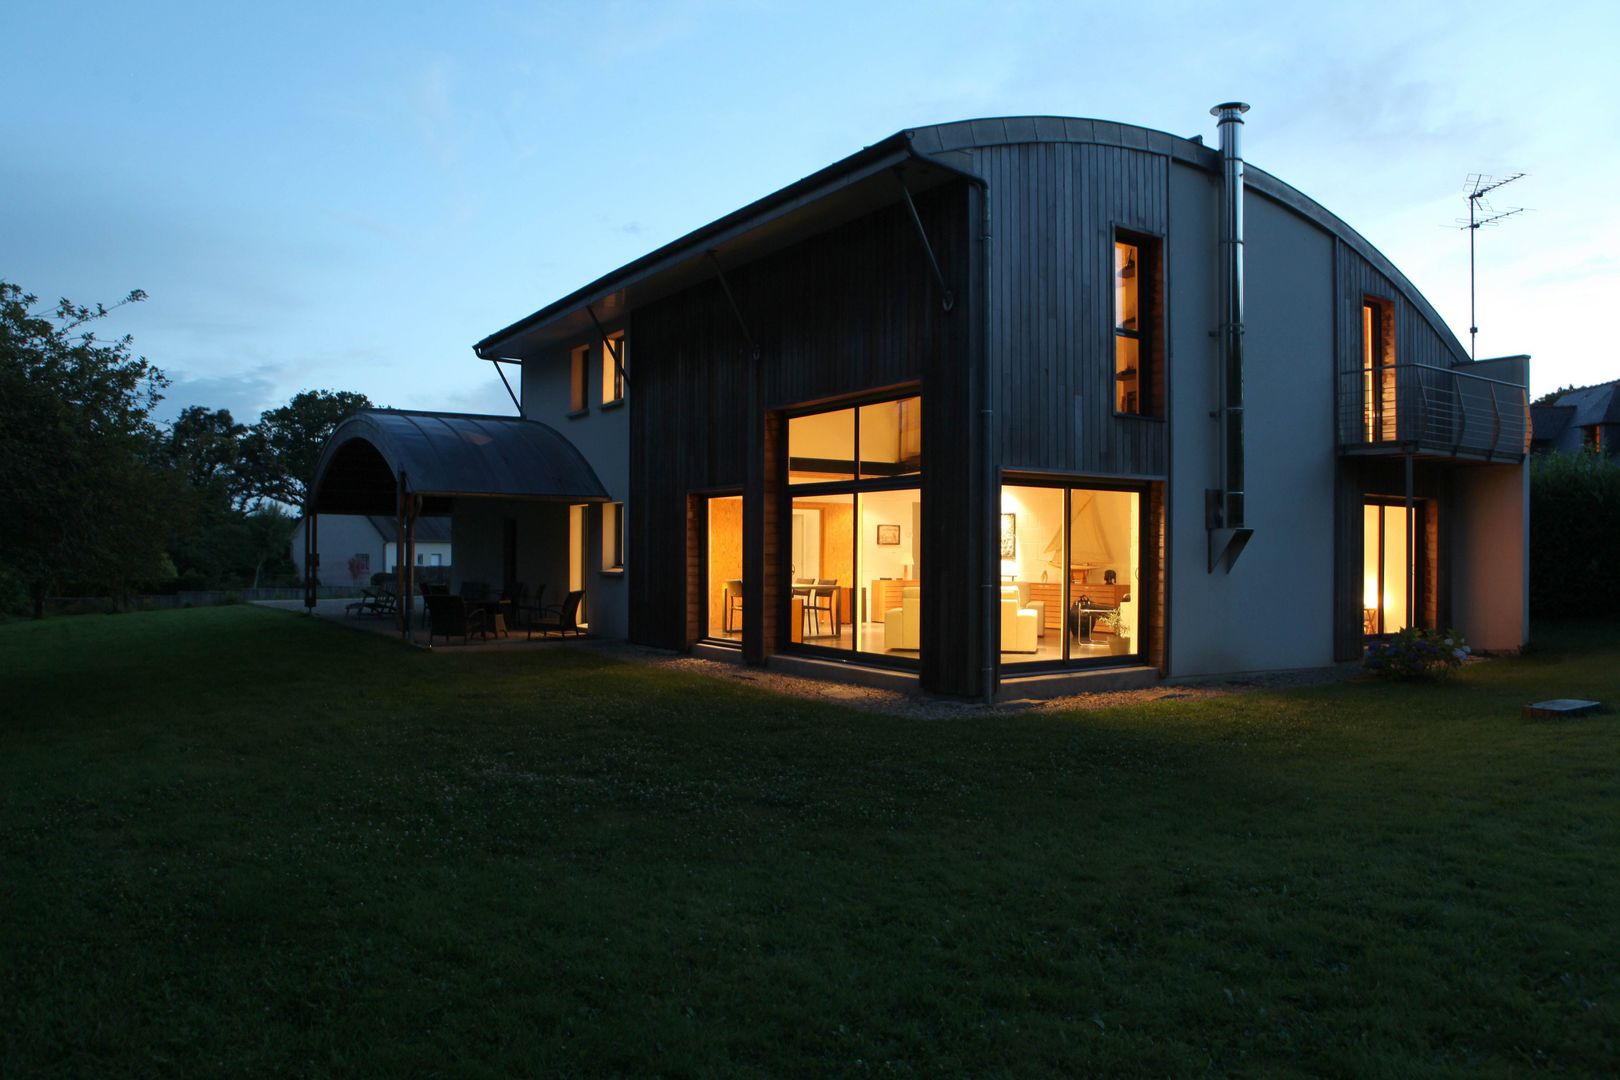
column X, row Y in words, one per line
column 1417, row 341
column 1055, row 207
column 845, row 312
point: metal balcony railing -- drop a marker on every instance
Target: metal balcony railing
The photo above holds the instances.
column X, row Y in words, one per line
column 1402, row 407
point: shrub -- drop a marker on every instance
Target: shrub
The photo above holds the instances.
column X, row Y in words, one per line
column 1574, row 519
column 1417, row 654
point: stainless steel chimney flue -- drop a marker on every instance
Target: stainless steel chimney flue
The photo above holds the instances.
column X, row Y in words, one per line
column 1225, row 506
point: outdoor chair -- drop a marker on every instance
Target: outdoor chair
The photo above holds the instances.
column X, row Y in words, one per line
column 449, row 616
column 567, row 618
column 430, row 589
column 528, row 611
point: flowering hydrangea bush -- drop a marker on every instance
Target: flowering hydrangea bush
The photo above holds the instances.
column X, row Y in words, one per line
column 1417, row 654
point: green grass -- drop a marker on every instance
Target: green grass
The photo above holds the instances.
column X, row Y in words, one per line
column 239, row 841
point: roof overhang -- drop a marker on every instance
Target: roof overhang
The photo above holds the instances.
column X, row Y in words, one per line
column 848, row 189
column 375, row 454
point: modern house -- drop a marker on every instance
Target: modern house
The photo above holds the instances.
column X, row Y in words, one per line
column 990, row 405
column 1583, row 419
column 355, row 546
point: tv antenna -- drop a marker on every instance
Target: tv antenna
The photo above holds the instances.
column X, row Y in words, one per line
column 1480, row 214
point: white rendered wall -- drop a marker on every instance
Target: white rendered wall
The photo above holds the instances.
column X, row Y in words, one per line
column 339, row 537
column 603, row 437
column 1489, row 566
column 1275, row 609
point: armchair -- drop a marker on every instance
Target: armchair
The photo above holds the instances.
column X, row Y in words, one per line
column 1018, row 624
column 902, row 626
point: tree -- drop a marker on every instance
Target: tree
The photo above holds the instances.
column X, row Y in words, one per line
column 206, row 445
column 89, row 500
column 282, row 449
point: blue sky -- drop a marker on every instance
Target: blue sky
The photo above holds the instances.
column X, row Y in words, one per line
column 348, row 196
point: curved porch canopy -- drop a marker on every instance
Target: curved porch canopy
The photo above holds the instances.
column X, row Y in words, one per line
column 443, row 456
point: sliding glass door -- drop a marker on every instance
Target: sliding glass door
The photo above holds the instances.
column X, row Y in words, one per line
column 1071, row 574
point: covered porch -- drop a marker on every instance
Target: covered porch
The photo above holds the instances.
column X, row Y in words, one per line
column 515, row 491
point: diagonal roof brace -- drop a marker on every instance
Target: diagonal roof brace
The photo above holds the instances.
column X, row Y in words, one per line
column 948, row 298
column 612, row 345
column 719, row 272
column 515, row 402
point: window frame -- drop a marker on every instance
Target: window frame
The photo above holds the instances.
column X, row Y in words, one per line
column 1148, row 333
column 579, row 380
column 1068, row 485
column 854, row 487
column 613, row 369
column 612, row 555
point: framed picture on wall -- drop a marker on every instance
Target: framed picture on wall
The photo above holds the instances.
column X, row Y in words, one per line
column 1009, row 536
column 889, row 535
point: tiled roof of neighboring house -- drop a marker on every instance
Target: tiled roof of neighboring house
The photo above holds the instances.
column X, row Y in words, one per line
column 1598, row 404
column 429, row 530
column 1547, row 422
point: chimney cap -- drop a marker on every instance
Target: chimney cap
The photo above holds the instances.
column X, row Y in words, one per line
column 1239, row 107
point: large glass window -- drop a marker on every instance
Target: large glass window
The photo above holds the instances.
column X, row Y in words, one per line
column 1070, row 574
column 853, row 566
column 1392, row 571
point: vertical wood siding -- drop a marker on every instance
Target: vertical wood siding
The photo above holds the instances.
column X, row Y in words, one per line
column 1055, row 207
column 844, row 312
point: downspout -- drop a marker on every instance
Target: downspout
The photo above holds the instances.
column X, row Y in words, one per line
column 989, row 619
column 1224, row 505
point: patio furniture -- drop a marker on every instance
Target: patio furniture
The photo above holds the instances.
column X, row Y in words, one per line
column 567, row 618
column 449, row 616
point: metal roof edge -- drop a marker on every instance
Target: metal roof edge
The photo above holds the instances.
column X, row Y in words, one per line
column 708, row 236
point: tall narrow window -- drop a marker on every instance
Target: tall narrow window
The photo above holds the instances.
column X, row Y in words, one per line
column 579, row 373
column 613, row 536
column 1135, row 312
column 613, row 361
column 1378, row 370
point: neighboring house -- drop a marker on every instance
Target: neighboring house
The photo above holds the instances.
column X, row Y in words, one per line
column 1588, row 418
column 370, row 543
column 992, row 406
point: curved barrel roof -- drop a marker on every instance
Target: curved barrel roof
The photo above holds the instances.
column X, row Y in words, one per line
column 447, row 454
column 925, row 155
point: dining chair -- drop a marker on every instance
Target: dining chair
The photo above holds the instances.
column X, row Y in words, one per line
column 732, row 597
column 819, row 600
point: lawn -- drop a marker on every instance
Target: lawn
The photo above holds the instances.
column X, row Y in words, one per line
column 240, row 841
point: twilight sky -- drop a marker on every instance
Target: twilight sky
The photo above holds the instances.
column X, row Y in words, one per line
column 347, row 196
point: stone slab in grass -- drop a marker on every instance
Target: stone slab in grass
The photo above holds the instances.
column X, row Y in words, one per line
column 1560, row 709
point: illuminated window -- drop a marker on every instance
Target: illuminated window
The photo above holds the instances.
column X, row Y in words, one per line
column 1135, row 307
column 612, row 536
column 613, row 368
column 1378, row 370
column 578, row 394
column 1395, row 567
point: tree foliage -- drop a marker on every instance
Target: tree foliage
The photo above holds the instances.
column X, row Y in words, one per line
column 282, row 449
column 90, row 501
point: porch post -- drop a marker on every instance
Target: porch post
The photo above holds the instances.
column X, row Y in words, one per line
column 409, row 561
column 1411, row 554
column 311, row 561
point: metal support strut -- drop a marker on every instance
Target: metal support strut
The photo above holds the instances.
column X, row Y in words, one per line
column 948, row 299
column 610, row 345
column 719, row 271
column 515, row 402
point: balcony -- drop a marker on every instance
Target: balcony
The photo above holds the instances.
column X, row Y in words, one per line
column 1432, row 412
